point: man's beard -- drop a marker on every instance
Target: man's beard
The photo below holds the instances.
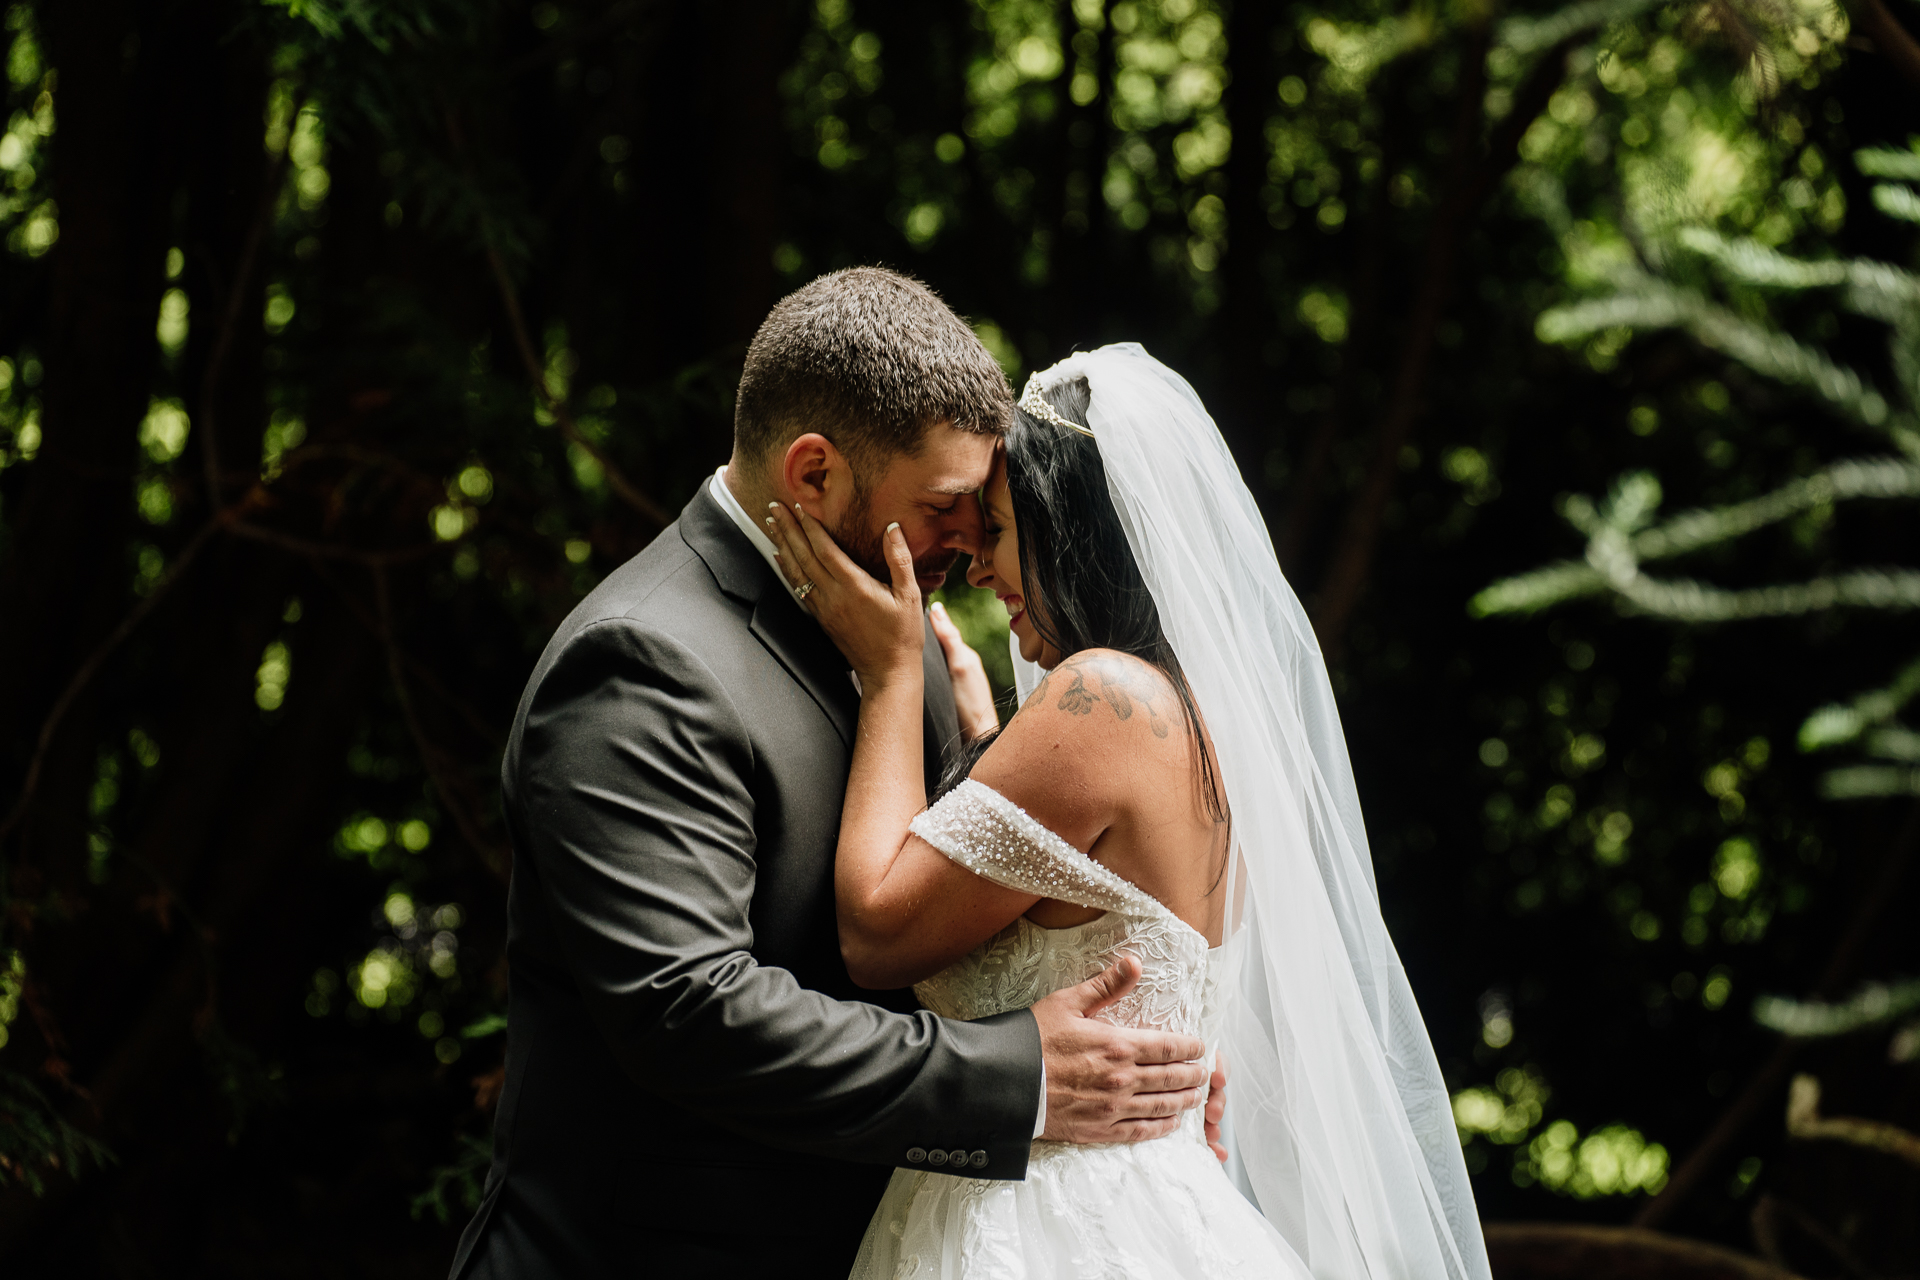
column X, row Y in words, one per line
column 862, row 543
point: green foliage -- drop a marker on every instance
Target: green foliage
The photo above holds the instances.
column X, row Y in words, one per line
column 1874, row 1005
column 463, row 1179
column 1869, row 720
column 1741, row 298
column 36, row 1140
column 1618, row 537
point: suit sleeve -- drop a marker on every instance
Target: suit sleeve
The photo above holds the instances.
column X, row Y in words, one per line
column 632, row 780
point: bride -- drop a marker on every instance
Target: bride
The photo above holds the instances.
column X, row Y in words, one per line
column 1174, row 788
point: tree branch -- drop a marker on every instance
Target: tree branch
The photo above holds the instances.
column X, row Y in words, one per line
column 1761, row 1086
column 495, row 859
column 616, row 479
column 627, row 491
column 481, row 727
column 230, row 521
column 1805, row 1121
column 1891, row 41
column 1767, row 1212
column 333, row 551
column 94, row 661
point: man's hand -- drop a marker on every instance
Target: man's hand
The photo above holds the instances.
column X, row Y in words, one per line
column 972, row 695
column 1107, row 1083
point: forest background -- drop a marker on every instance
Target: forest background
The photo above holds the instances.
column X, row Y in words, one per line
column 345, row 346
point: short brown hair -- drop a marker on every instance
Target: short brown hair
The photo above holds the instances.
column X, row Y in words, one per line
column 870, row 359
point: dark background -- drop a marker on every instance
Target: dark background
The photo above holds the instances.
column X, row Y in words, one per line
column 347, row 346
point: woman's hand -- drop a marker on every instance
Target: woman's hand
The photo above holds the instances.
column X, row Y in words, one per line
column 875, row 625
column 972, row 695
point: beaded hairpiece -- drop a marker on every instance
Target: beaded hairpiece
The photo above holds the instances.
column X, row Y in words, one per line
column 1036, row 405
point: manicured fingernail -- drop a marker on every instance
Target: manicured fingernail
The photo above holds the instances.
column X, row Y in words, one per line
column 769, row 522
column 773, row 506
column 895, row 525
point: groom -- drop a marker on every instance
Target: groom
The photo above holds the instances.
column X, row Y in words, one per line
column 694, row 1086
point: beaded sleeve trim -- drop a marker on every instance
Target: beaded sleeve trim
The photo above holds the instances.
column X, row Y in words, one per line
column 996, row 839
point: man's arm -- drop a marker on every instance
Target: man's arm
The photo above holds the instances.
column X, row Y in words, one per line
column 633, row 786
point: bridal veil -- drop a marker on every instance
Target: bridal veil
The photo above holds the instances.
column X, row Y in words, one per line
column 1338, row 1122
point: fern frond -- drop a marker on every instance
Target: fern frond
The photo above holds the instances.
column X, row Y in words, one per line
column 1531, row 592
column 1896, row 202
column 34, row 1137
column 1894, row 743
column 1885, row 162
column 1757, row 264
column 1615, row 550
column 1873, row 288
column 1853, row 478
column 1685, row 600
column 1530, row 35
column 1877, row 1003
column 1836, row 723
column 1869, row 782
column 1647, row 303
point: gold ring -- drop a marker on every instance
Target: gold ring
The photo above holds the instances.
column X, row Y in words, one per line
column 802, row 590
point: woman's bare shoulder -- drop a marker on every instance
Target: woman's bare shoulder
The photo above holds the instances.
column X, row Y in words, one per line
column 1108, row 687
column 1100, row 703
column 1074, row 753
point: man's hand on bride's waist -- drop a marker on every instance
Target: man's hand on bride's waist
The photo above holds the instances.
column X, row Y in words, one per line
column 1108, row 1083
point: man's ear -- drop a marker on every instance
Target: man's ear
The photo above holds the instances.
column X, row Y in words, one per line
column 816, row 473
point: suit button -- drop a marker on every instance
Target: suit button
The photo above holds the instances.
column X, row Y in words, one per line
column 916, row 1155
column 936, row 1157
column 959, row 1159
column 979, row 1160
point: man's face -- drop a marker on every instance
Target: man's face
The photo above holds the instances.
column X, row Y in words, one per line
column 933, row 496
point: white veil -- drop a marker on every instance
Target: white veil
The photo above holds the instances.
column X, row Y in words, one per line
column 1337, row 1119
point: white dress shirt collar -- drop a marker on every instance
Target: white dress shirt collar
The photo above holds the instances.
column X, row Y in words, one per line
column 756, row 533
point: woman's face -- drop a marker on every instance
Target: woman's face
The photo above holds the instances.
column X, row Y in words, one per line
column 996, row 566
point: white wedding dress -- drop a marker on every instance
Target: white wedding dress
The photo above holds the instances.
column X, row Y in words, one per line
column 1144, row 1211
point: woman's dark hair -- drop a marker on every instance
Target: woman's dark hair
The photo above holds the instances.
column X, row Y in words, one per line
column 1084, row 588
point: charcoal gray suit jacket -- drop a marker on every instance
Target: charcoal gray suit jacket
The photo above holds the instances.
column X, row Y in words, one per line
column 685, row 1051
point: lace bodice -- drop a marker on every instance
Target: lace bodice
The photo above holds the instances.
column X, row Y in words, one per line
column 991, row 836
column 1155, row 1210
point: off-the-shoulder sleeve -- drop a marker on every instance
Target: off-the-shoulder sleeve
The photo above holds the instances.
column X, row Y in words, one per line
column 996, row 839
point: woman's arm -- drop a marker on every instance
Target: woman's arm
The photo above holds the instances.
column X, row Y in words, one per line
column 972, row 695
column 905, row 910
column 1068, row 758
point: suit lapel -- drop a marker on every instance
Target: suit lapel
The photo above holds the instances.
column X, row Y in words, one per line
column 793, row 638
column 799, row 644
